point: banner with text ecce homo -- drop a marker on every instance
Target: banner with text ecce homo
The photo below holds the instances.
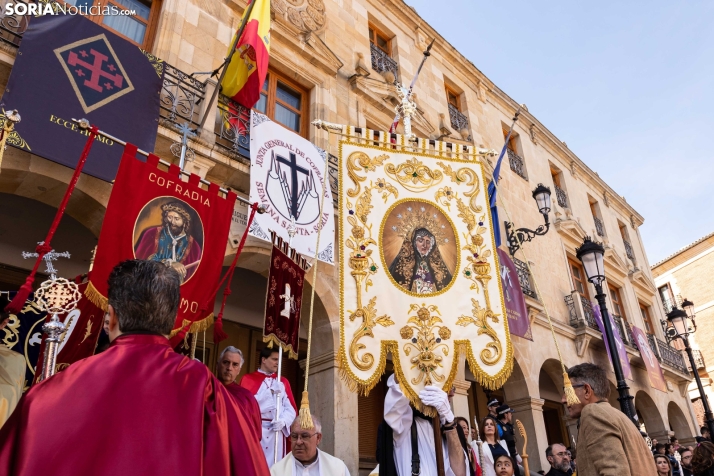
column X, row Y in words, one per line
column 654, row 371
column 70, row 67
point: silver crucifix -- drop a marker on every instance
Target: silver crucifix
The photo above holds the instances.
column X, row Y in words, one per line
column 49, row 258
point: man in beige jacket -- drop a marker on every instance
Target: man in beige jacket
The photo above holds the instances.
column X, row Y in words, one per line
column 609, row 444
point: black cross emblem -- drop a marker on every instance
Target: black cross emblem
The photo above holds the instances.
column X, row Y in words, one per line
column 294, row 169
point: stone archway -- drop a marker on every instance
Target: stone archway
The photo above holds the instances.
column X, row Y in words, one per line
column 550, row 387
column 654, row 424
column 678, row 422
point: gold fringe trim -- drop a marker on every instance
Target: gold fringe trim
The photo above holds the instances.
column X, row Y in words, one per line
column 97, row 298
column 196, row 327
column 570, row 396
column 272, row 339
column 305, row 416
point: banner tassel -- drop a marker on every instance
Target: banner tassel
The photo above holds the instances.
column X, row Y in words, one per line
column 218, row 333
column 305, row 416
column 45, row 246
column 570, row 396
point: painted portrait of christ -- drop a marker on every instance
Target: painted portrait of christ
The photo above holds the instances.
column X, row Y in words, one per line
column 171, row 241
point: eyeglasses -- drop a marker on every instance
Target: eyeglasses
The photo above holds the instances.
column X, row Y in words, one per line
column 301, row 436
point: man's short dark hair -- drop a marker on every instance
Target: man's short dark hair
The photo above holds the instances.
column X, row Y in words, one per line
column 593, row 375
column 660, row 446
column 145, row 296
column 549, row 449
column 266, row 352
column 683, row 449
column 703, row 429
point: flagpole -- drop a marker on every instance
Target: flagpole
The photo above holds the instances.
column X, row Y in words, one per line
column 291, row 234
column 222, row 67
column 426, row 53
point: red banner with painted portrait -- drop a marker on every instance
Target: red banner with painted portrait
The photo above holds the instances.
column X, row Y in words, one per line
column 154, row 215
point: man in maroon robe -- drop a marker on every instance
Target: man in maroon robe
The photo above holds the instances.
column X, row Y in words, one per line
column 138, row 408
column 229, row 364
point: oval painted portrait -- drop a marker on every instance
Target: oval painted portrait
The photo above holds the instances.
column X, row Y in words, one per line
column 419, row 247
column 169, row 230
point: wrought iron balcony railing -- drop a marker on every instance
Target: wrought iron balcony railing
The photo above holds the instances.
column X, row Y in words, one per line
column 670, row 356
column 622, row 329
column 651, row 340
column 232, row 129
column 524, row 278
column 382, row 62
column 698, row 360
column 630, row 338
column 12, row 27
column 181, row 96
column 598, row 226
column 628, row 250
column 517, row 164
column 562, row 197
column 459, row 122
column 587, row 312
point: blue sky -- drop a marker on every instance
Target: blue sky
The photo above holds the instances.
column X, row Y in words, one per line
column 628, row 85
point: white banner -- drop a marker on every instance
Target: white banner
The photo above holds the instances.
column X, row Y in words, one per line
column 286, row 176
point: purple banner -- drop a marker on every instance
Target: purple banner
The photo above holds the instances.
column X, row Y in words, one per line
column 654, row 371
column 518, row 322
column 621, row 351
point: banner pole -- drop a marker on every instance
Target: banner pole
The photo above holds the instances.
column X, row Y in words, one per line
column 291, row 234
column 227, row 60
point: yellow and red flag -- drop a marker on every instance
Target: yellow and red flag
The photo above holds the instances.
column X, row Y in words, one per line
column 248, row 67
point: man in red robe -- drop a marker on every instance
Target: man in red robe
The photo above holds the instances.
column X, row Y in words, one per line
column 271, row 395
column 138, row 408
column 229, row 364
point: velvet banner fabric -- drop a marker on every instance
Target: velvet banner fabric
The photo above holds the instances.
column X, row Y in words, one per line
column 136, row 409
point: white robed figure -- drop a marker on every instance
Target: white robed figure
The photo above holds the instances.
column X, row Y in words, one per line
column 265, row 386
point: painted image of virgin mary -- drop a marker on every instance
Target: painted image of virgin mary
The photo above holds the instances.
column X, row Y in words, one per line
column 419, row 267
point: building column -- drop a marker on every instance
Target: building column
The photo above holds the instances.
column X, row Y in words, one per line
column 529, row 411
column 333, row 402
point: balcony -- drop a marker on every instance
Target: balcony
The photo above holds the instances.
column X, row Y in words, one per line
column 579, row 308
column 13, row 27
column 459, row 122
column 562, row 197
column 232, row 129
column 517, row 164
column 670, row 356
column 698, row 360
column 628, row 330
column 624, row 329
column 598, row 226
column 181, row 96
column 628, row 250
column 524, row 278
column 382, row 62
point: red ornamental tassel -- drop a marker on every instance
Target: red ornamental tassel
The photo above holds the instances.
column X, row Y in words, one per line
column 45, row 247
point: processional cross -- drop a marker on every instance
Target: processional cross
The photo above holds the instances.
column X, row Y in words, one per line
column 49, row 258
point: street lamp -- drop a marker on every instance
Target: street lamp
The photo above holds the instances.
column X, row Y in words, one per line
column 591, row 255
column 515, row 238
column 683, row 323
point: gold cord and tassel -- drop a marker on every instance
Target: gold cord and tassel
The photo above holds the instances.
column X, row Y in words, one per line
column 570, row 395
column 305, row 416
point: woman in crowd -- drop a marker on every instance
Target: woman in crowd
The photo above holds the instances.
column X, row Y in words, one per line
column 492, row 447
column 463, row 425
column 504, row 465
column 703, row 459
column 669, row 452
column 664, row 465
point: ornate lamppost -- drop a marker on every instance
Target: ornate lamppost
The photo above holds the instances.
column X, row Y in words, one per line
column 683, row 323
column 515, row 238
column 591, row 255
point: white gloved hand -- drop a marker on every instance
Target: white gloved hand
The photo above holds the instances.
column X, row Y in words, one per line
column 437, row 398
column 277, row 425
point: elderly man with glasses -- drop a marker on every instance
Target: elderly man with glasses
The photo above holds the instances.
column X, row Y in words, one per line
column 306, row 459
column 559, row 458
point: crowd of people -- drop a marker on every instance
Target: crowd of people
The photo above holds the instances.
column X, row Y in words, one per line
column 140, row 408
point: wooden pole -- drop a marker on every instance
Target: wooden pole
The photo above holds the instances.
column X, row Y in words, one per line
column 524, row 455
column 438, row 446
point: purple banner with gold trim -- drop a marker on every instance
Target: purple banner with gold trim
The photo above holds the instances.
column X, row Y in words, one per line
column 518, row 322
column 621, row 351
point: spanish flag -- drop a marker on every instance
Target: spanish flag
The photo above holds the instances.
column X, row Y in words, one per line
column 248, row 67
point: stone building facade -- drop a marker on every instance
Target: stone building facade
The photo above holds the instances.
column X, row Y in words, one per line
column 686, row 274
column 334, row 60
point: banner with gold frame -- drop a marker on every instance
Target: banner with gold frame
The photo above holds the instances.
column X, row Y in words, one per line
column 418, row 267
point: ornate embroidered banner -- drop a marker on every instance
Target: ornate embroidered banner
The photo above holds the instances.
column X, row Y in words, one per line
column 284, row 298
column 418, row 269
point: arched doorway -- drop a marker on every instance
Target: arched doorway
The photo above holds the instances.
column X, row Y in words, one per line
column 24, row 222
column 678, row 422
column 650, row 416
column 550, row 386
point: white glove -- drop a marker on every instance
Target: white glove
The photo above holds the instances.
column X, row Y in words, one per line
column 437, row 398
column 277, row 425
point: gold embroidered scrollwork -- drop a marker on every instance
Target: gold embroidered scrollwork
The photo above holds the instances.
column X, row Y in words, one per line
column 11, row 331
column 369, row 320
column 413, row 175
column 480, row 317
column 419, row 331
column 464, row 176
column 361, row 162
